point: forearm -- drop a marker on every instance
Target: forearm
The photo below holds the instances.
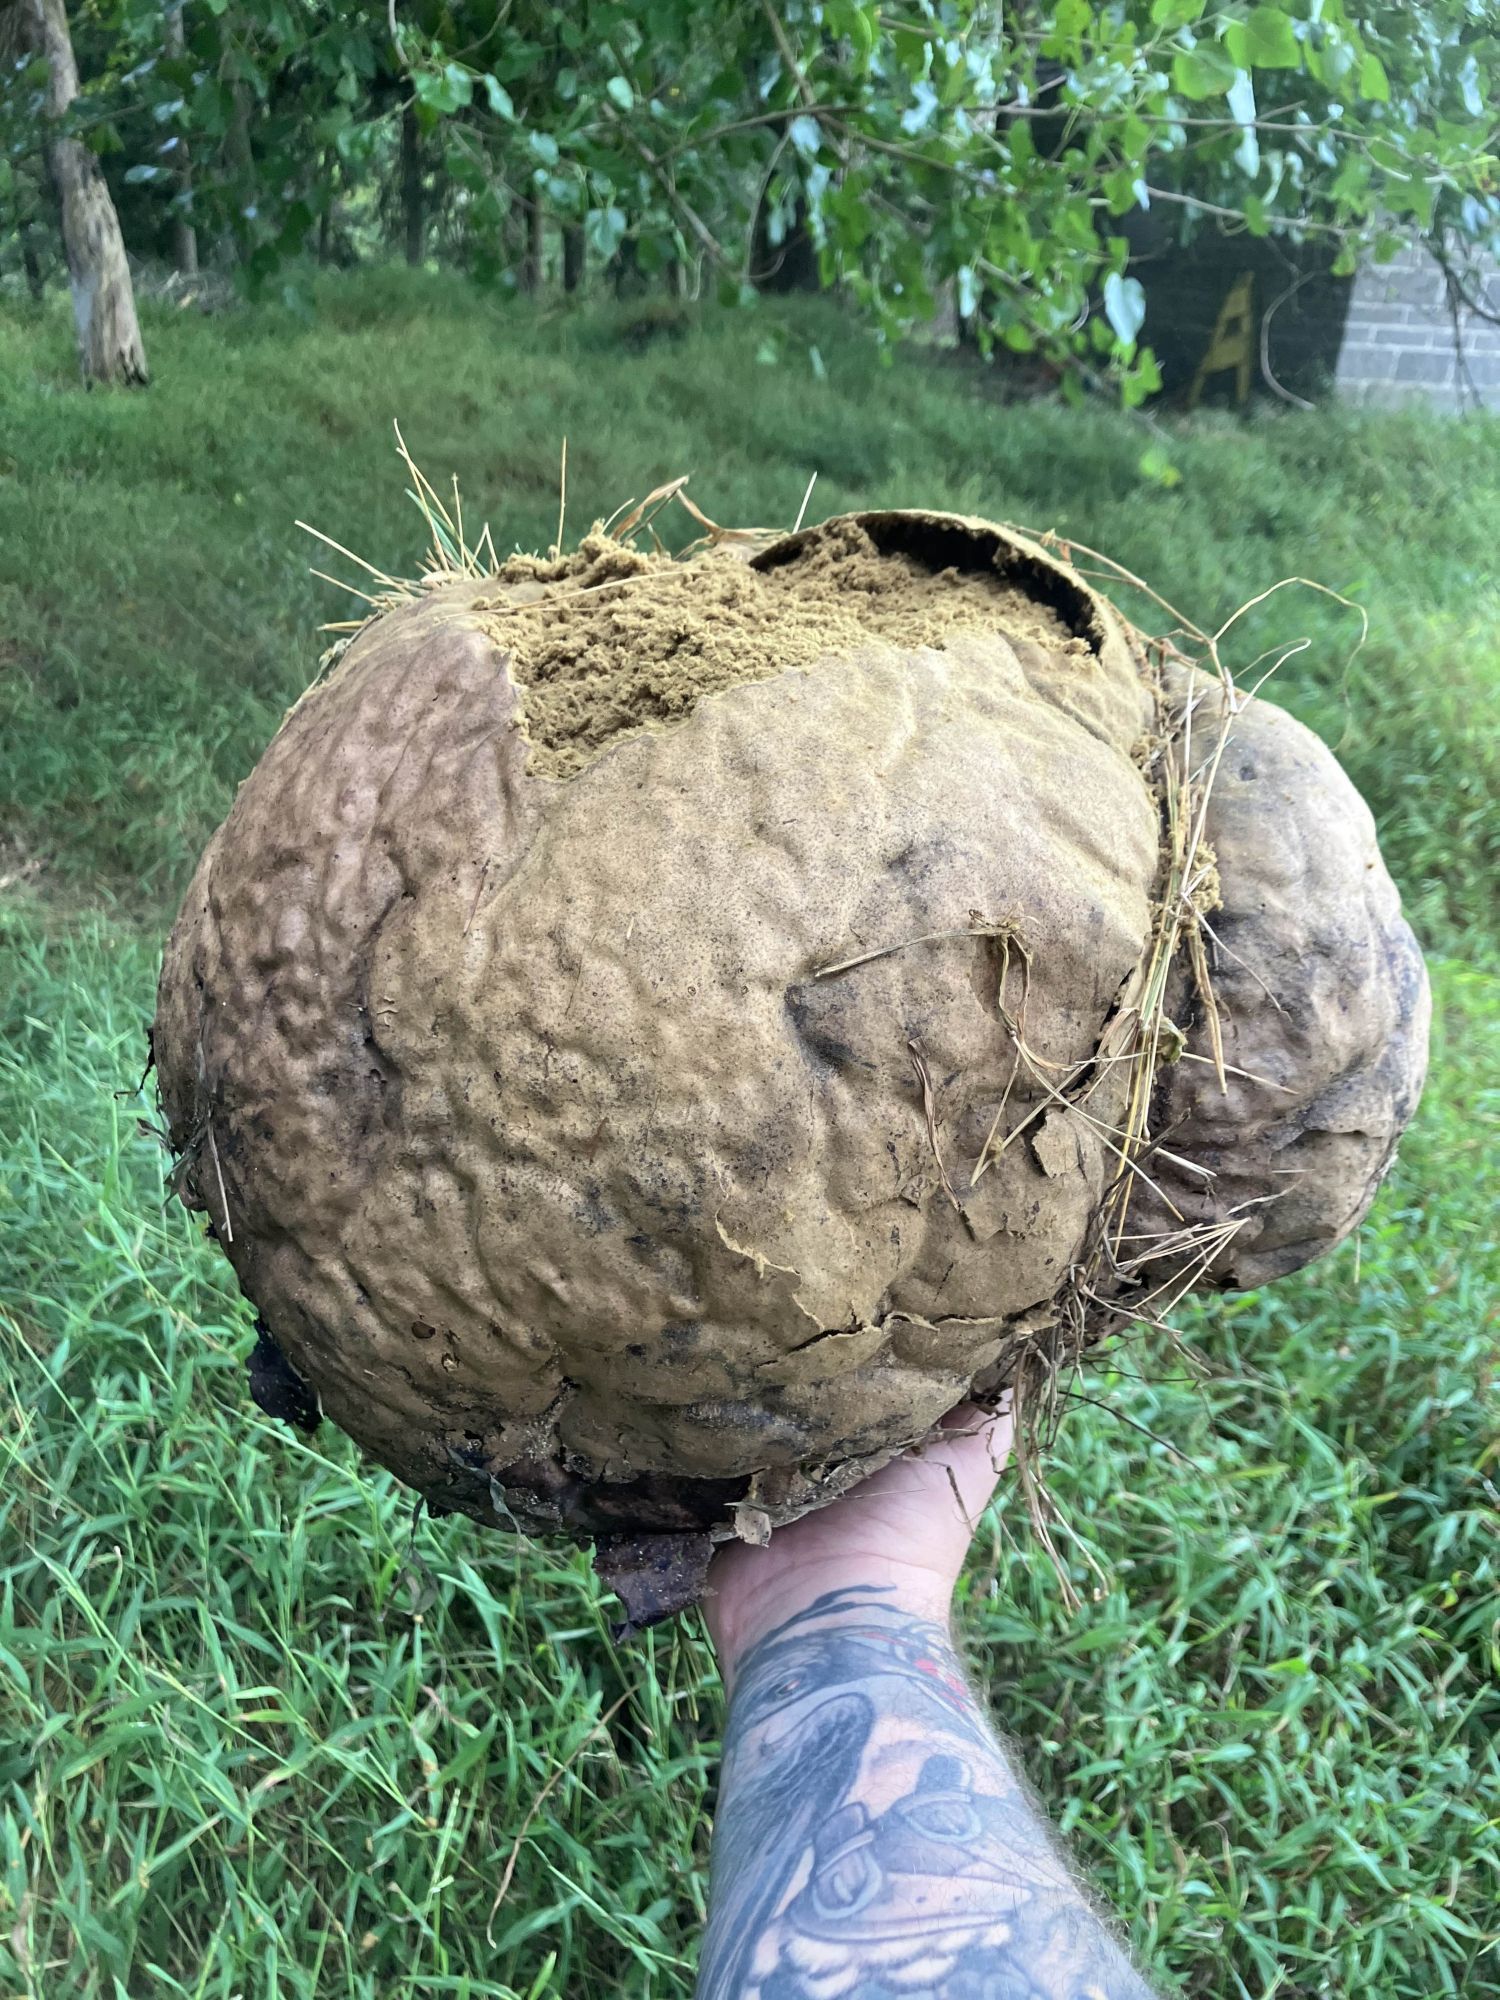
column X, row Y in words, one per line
column 873, row 1840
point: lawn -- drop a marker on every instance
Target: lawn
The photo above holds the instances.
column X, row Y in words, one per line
column 264, row 1734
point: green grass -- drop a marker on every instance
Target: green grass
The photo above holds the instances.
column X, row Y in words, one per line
column 157, row 614
column 262, row 1736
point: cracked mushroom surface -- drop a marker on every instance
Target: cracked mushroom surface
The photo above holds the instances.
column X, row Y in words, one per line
column 587, row 1033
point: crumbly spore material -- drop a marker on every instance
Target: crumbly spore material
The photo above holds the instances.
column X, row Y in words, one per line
column 608, row 639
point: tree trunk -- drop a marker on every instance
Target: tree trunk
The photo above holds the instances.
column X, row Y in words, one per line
column 531, row 261
column 413, row 202
column 185, row 236
column 573, row 257
column 241, row 157
column 31, row 263
column 109, row 335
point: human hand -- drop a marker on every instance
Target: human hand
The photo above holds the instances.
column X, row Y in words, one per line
column 871, row 1834
column 906, row 1529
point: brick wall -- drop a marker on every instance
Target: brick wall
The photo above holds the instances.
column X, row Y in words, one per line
column 1398, row 338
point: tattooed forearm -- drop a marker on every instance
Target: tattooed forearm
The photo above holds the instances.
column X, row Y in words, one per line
column 872, row 1843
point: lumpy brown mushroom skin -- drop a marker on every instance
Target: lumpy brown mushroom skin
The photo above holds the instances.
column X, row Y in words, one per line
column 1323, row 1003
column 572, row 1181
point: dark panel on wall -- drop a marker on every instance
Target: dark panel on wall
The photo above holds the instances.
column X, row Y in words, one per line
column 1188, row 281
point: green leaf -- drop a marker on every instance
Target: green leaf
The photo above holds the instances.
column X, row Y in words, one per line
column 501, row 102
column 1123, row 190
column 1421, row 197
column 1470, row 86
column 806, row 134
column 1071, row 21
column 604, row 231
column 1265, row 40
column 1331, row 60
column 619, row 93
column 1124, row 307
column 1204, row 70
column 911, row 50
column 1175, row 13
column 543, row 147
column 1155, row 465
column 1374, row 85
column 955, row 86
column 1141, row 380
column 443, row 91
column 1351, row 184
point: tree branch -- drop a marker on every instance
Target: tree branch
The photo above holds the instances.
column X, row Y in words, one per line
column 789, row 57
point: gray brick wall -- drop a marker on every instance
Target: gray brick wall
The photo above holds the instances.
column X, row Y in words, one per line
column 1398, row 340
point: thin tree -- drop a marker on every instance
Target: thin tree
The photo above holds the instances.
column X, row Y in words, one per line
column 413, row 192
column 110, row 348
column 533, row 258
column 185, row 236
column 572, row 256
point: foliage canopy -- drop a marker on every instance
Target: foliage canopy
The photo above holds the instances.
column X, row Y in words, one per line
column 930, row 151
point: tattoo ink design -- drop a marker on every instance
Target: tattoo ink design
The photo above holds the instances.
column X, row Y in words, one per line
column 828, row 1887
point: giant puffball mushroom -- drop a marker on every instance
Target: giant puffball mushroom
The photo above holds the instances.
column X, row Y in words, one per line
column 652, row 1037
